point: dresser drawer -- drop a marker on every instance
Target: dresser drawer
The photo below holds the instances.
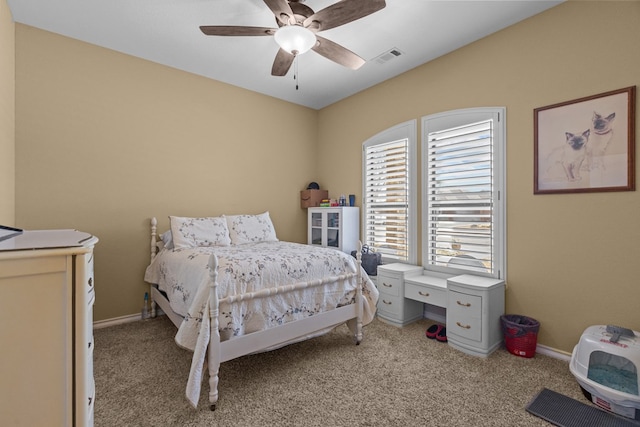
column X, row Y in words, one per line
column 465, row 327
column 465, row 305
column 86, row 391
column 84, row 271
column 91, row 403
column 389, row 285
column 89, row 285
column 88, row 279
column 390, row 305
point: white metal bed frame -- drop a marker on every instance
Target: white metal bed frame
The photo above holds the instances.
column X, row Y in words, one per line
column 222, row 351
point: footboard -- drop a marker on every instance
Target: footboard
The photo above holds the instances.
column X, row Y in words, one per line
column 219, row 352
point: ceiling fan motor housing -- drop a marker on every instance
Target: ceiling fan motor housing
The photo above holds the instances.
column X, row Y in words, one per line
column 300, row 13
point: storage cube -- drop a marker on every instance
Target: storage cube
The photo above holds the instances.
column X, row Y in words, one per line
column 312, row 198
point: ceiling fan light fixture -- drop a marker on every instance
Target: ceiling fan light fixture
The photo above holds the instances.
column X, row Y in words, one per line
column 295, row 39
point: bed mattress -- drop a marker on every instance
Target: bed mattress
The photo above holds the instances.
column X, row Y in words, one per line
column 183, row 274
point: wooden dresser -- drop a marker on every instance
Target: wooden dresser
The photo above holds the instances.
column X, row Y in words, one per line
column 46, row 328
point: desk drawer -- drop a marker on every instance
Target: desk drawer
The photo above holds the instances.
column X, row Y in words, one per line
column 426, row 294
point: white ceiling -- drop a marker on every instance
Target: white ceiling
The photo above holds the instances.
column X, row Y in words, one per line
column 167, row 32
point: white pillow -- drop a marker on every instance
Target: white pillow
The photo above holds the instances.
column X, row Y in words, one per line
column 193, row 232
column 167, row 239
column 251, row 229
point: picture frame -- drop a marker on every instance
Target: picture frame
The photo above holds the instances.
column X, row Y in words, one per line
column 586, row 145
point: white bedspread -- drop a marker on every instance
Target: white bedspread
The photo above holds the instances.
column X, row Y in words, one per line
column 183, row 274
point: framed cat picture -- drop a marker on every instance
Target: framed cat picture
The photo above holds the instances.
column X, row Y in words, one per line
column 586, row 145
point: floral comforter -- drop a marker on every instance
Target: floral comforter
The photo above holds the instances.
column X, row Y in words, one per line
column 183, row 274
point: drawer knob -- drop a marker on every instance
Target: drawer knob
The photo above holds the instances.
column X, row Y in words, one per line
column 463, row 326
column 386, row 286
column 467, row 304
column 424, row 294
column 90, row 282
column 386, row 302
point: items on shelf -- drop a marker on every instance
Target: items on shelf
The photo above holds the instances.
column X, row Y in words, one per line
column 314, row 197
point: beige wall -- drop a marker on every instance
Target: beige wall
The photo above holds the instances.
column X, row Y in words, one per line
column 105, row 141
column 7, row 116
column 572, row 259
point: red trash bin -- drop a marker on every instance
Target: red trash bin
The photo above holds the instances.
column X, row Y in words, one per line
column 520, row 334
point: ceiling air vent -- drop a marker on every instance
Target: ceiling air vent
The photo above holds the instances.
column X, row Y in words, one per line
column 388, row 56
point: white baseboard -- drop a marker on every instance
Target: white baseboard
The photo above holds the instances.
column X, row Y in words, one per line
column 552, row 352
column 120, row 320
column 116, row 321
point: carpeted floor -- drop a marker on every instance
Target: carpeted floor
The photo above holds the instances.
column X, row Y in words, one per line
column 396, row 377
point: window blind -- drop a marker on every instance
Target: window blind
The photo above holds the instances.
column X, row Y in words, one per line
column 461, row 197
column 386, row 216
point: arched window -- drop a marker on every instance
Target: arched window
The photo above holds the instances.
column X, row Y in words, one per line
column 389, row 193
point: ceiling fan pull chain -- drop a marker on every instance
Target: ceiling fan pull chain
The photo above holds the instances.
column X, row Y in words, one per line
column 295, row 71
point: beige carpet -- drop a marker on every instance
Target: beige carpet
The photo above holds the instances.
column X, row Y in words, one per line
column 396, row 377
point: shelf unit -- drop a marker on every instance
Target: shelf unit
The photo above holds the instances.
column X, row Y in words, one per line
column 336, row 227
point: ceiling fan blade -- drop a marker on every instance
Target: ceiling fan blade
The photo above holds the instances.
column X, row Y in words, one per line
column 281, row 10
column 282, row 63
column 343, row 12
column 337, row 53
column 229, row 30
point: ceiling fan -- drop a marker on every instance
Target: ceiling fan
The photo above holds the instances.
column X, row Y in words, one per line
column 298, row 28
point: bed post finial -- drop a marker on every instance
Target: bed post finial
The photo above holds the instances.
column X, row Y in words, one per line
column 154, row 228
